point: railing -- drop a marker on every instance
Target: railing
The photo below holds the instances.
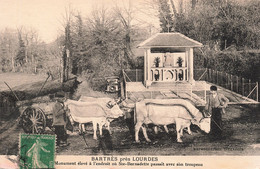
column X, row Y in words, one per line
column 237, row 84
column 242, row 86
column 169, row 74
column 134, row 75
column 123, row 85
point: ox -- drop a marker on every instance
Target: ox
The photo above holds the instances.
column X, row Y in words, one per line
column 107, row 104
column 96, row 112
column 168, row 111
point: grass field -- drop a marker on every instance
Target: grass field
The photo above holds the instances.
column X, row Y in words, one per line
column 17, row 79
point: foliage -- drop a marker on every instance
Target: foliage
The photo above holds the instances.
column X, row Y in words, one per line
column 101, row 43
column 179, row 61
column 20, row 57
column 165, row 16
column 241, row 63
column 22, row 51
column 228, row 31
column 220, row 25
column 157, row 61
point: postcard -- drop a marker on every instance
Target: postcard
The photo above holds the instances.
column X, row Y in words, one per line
column 129, row 84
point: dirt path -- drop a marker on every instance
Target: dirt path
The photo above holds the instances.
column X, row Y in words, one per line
column 9, row 136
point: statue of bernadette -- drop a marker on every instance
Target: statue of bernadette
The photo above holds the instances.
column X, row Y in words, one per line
column 168, row 60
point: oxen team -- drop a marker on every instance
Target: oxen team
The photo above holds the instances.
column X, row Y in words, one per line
column 101, row 111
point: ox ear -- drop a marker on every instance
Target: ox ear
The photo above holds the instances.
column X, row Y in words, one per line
column 118, row 101
column 205, row 113
column 110, row 104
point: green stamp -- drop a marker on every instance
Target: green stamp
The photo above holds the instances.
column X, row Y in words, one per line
column 36, row 151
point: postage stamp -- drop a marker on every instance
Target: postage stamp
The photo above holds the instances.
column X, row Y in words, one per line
column 36, row 151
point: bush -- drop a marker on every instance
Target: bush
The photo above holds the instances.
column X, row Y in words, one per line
column 245, row 63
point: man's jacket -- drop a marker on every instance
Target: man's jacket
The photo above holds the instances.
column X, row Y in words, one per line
column 59, row 115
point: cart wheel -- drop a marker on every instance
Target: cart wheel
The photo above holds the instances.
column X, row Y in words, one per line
column 33, row 120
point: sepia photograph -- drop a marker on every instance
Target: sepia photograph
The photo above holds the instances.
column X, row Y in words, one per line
column 129, row 84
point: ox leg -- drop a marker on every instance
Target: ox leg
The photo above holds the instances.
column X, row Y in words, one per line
column 155, row 129
column 166, row 129
column 189, row 131
column 137, row 128
column 178, row 130
column 95, row 130
column 100, row 125
column 145, row 134
column 80, row 128
column 108, row 127
column 181, row 131
column 83, row 127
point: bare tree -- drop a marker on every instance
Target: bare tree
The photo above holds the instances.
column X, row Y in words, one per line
column 66, row 23
column 174, row 8
column 125, row 16
column 9, row 46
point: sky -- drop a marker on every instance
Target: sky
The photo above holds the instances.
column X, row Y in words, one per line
column 46, row 15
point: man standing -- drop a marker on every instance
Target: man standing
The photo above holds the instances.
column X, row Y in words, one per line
column 215, row 106
column 59, row 122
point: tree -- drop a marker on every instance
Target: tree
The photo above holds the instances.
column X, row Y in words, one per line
column 105, row 41
column 9, row 47
column 125, row 17
column 67, row 43
column 165, row 16
column 78, row 43
column 174, row 8
column 21, row 55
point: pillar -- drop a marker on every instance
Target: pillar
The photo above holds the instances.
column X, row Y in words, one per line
column 145, row 67
column 190, row 65
column 148, row 68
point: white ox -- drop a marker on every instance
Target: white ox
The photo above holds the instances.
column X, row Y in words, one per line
column 108, row 105
column 168, row 111
column 93, row 111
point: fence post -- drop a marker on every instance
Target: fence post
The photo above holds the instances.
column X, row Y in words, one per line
column 226, row 81
column 243, row 87
column 217, row 78
column 205, row 92
column 249, row 85
column 231, row 77
column 136, row 75
column 257, row 91
column 229, row 81
column 207, row 76
column 210, row 75
column 220, row 78
column 237, row 84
